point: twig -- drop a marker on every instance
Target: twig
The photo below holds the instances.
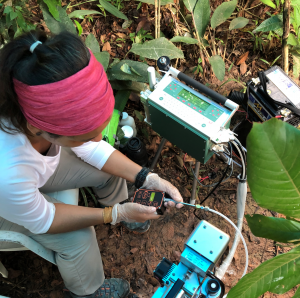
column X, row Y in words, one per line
column 286, row 30
column 155, row 5
column 82, row 3
column 225, row 46
column 234, row 47
column 158, row 20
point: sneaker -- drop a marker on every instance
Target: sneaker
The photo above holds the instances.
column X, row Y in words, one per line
column 112, row 288
column 137, row 227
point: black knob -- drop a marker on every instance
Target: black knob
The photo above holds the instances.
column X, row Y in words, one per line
column 163, row 63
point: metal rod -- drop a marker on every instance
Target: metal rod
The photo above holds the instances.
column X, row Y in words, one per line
column 158, row 152
column 186, row 204
column 195, row 183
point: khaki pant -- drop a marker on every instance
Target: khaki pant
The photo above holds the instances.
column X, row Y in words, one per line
column 77, row 253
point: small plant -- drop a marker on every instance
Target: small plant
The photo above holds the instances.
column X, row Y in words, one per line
column 140, row 37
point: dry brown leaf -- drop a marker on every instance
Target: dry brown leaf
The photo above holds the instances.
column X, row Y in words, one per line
column 102, row 37
column 243, row 68
column 121, row 35
column 242, row 59
column 106, row 48
column 145, row 24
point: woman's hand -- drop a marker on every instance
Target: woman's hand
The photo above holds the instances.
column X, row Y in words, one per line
column 153, row 181
column 133, row 212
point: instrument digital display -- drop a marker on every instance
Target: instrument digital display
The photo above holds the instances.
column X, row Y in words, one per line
column 193, row 99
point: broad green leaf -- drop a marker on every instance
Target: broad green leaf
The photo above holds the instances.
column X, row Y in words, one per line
column 295, row 3
column 292, row 40
column 277, row 275
column 13, row 15
column 103, row 58
column 112, row 9
column 21, row 21
column 273, row 166
column 202, row 16
column 184, row 39
column 273, row 23
column 54, row 26
column 296, row 65
column 115, row 72
column 204, row 42
column 8, row 9
column 296, row 18
column 218, row 66
column 162, row 2
column 222, row 13
column 52, row 7
column 134, row 71
column 92, row 43
column 78, row 27
column 269, row 3
column 121, row 99
column 81, row 13
column 156, row 48
column 128, row 85
column 200, row 9
column 238, row 23
column 278, row 229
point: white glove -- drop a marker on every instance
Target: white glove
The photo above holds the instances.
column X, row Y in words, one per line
column 153, row 181
column 132, row 212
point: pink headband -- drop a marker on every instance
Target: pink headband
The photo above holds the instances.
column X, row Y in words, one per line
column 70, row 107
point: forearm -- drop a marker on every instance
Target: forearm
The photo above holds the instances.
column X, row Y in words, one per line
column 71, row 218
column 120, row 165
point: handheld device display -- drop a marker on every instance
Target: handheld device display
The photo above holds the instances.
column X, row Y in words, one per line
column 152, row 198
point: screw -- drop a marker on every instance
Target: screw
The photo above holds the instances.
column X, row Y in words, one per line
column 204, row 227
column 163, row 60
column 221, row 237
column 194, row 289
column 173, row 274
column 167, row 282
column 195, row 241
column 211, row 252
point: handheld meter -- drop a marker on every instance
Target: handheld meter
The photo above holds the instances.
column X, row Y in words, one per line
column 152, row 198
column 187, row 118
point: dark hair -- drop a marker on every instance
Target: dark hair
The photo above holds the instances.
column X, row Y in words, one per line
column 58, row 57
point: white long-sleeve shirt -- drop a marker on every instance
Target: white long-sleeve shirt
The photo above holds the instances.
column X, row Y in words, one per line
column 23, row 171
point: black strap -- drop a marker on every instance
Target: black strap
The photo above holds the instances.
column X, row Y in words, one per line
column 141, row 177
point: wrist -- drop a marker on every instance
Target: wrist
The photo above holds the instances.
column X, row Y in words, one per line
column 107, row 215
column 141, row 177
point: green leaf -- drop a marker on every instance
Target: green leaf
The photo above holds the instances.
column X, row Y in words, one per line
column 273, row 166
column 128, row 85
column 134, row 71
column 13, row 15
column 162, row 2
column 277, row 275
column 184, row 39
column 115, row 72
column 52, row 7
column 103, row 58
column 297, row 294
column 222, row 13
column 54, row 26
column 8, row 9
column 296, row 64
column 156, row 48
column 121, row 99
column 292, row 40
column 269, row 3
column 139, row 115
column 273, row 23
column 21, row 21
column 92, row 43
column 126, row 24
column 81, row 13
column 238, row 23
column 218, row 66
column 112, row 9
column 125, row 68
column 278, row 229
column 78, row 27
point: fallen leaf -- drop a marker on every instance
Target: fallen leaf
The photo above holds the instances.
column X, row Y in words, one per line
column 134, row 97
column 145, row 24
column 135, row 249
column 121, row 35
column 243, row 68
column 242, row 59
column 102, row 38
column 107, row 48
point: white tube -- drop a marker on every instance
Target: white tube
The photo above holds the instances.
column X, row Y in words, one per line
column 151, row 77
column 238, row 231
column 241, row 201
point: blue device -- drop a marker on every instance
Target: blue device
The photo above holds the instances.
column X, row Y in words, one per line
column 193, row 276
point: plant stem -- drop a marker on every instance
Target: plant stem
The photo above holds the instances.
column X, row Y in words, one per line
column 158, row 20
column 81, row 3
column 155, row 5
column 286, row 30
